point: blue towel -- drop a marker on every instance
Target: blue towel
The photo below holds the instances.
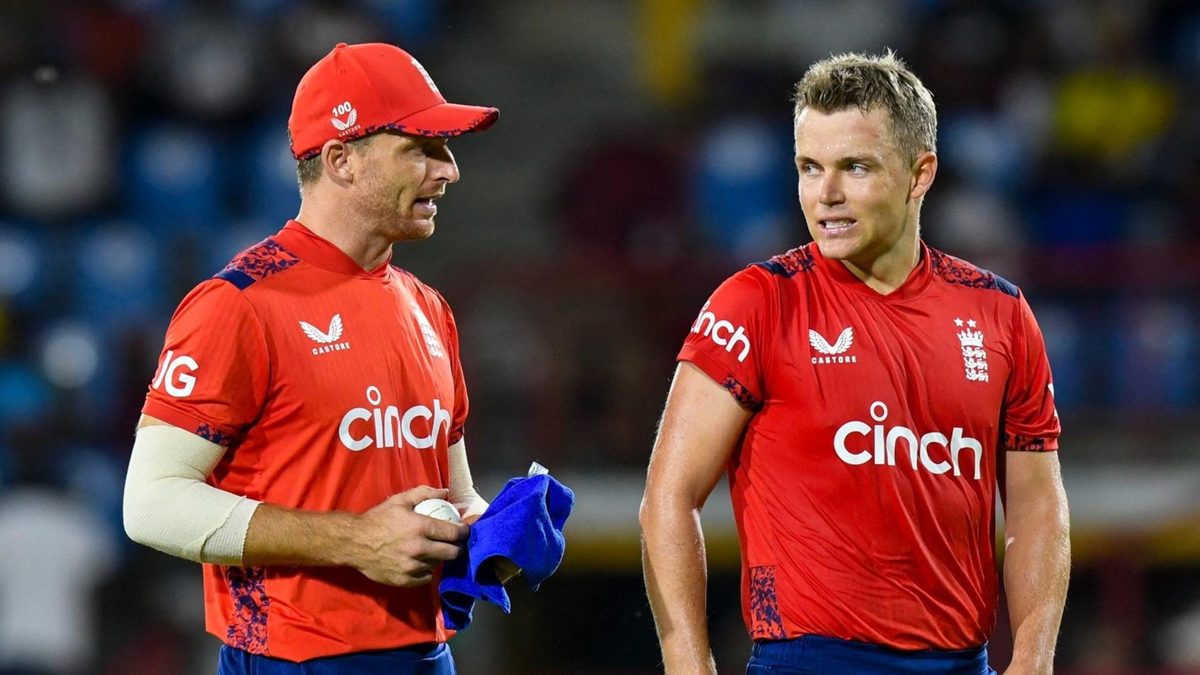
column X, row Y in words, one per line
column 524, row 524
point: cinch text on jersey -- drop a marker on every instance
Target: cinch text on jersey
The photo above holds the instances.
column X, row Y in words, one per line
column 716, row 326
column 392, row 428
column 886, row 440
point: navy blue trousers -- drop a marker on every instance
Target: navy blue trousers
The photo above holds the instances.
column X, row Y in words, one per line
column 818, row 655
column 425, row 660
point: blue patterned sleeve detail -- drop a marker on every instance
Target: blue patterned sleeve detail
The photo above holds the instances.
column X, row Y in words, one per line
column 790, row 263
column 1015, row 443
column 765, row 621
column 962, row 273
column 213, row 434
column 251, row 605
column 257, row 263
column 742, row 395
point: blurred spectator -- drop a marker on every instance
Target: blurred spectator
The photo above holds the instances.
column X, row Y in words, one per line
column 54, row 552
column 744, row 188
column 174, row 178
column 1116, row 108
column 669, row 32
column 1156, row 356
column 270, row 188
column 24, row 396
column 22, row 261
column 976, row 224
column 120, row 270
column 622, row 202
column 56, row 144
column 310, row 28
column 1064, row 332
column 205, row 62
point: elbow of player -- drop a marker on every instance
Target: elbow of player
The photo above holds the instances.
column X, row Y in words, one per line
column 652, row 511
column 1057, row 514
column 646, row 512
column 134, row 516
column 151, row 518
column 1064, row 526
column 138, row 513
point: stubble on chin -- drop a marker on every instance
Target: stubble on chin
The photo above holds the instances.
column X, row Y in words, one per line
column 409, row 230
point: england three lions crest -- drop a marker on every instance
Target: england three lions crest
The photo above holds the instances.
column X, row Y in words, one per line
column 975, row 365
column 432, row 343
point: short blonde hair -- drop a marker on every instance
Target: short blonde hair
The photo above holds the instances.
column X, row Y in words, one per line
column 868, row 82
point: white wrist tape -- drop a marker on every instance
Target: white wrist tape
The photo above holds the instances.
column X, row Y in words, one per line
column 169, row 507
column 462, row 487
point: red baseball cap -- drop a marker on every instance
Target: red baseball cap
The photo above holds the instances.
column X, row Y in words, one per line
column 356, row 90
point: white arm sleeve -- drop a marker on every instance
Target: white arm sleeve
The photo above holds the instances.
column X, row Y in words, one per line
column 169, row 507
column 462, row 487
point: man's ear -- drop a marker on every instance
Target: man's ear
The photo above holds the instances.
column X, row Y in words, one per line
column 923, row 172
column 335, row 161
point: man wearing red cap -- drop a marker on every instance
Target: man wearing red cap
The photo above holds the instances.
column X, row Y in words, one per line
column 310, row 394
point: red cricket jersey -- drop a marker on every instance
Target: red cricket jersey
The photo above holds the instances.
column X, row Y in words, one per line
column 333, row 388
column 864, row 486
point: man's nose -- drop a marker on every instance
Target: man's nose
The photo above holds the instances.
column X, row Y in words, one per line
column 831, row 189
column 446, row 169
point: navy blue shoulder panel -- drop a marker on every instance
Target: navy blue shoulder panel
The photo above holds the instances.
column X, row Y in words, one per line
column 258, row 262
column 962, row 273
column 1007, row 287
column 236, row 277
column 790, row 263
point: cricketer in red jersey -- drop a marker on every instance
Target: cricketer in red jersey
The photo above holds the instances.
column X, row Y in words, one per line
column 866, row 394
column 310, row 394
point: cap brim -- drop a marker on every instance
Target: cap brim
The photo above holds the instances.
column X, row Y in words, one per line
column 447, row 119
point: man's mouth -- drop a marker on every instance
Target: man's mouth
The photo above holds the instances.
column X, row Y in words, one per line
column 836, row 225
column 425, row 206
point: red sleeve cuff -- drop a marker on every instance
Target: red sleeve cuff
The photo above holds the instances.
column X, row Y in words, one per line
column 222, row 436
column 710, row 366
column 1019, row 443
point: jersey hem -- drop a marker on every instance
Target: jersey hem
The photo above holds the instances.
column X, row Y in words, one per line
column 301, row 656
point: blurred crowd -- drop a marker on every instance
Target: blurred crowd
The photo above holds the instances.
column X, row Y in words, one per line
column 642, row 155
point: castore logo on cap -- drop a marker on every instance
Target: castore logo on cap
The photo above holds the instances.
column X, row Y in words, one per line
column 351, row 123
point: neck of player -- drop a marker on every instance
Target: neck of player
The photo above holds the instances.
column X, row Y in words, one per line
column 887, row 271
column 365, row 247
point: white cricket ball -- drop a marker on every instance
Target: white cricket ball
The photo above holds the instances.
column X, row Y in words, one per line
column 438, row 508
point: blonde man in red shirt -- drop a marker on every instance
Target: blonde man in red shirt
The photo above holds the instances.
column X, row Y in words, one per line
column 867, row 394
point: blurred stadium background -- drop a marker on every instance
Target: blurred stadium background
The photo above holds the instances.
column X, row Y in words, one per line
column 643, row 154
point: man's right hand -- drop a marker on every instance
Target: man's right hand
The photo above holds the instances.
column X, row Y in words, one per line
column 401, row 547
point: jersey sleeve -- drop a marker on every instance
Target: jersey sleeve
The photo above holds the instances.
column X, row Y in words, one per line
column 213, row 372
column 730, row 337
column 1030, row 419
column 461, row 404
